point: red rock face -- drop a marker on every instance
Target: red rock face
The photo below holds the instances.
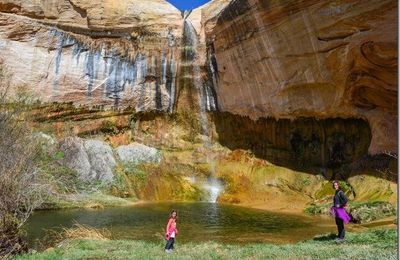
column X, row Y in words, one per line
column 321, row 59
column 272, row 59
column 106, row 53
column 113, row 15
column 102, row 53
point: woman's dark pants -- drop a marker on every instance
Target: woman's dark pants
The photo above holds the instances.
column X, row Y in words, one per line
column 340, row 227
column 170, row 243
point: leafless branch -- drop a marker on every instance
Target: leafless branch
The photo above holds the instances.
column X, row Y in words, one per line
column 21, row 190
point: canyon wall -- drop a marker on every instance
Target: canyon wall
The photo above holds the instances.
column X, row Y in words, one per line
column 267, row 60
column 143, row 55
column 96, row 53
column 314, row 59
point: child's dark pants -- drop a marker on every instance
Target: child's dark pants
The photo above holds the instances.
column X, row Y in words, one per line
column 170, row 243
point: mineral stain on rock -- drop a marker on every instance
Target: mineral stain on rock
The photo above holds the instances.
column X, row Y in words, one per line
column 280, row 60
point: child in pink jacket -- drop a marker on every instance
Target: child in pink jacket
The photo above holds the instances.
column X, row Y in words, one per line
column 171, row 232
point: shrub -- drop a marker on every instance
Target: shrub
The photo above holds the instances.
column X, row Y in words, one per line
column 369, row 211
column 362, row 212
column 20, row 188
column 318, row 209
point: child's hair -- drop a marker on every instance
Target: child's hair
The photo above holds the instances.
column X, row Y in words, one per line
column 170, row 214
column 333, row 183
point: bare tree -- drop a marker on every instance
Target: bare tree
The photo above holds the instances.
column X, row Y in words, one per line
column 20, row 187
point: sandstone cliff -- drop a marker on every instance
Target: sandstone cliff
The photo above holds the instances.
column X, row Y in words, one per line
column 98, row 15
column 144, row 55
column 318, row 59
column 262, row 59
column 97, row 53
column 307, row 85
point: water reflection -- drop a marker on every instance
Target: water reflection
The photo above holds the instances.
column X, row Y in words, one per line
column 196, row 222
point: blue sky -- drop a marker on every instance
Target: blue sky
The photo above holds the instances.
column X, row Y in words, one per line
column 187, row 4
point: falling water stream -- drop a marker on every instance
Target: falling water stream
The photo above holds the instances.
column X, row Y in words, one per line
column 214, row 188
column 206, row 102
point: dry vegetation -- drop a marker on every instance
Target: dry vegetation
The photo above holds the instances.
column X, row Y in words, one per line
column 79, row 231
column 21, row 190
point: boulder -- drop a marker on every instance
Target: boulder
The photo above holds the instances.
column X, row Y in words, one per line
column 138, row 153
column 101, row 160
column 92, row 159
column 75, row 157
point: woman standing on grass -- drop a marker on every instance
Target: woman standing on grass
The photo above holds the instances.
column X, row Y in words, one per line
column 341, row 216
column 171, row 232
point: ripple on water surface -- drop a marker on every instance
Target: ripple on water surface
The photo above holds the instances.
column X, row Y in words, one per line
column 196, row 222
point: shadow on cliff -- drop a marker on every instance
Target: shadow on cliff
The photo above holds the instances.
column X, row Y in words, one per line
column 335, row 148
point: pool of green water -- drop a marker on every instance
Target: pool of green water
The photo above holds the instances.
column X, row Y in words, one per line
column 196, row 222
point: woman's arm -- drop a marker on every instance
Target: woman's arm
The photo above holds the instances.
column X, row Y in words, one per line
column 343, row 198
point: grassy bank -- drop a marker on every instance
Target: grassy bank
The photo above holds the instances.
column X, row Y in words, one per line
column 362, row 212
column 372, row 244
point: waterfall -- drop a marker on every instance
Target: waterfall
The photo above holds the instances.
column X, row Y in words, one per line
column 214, row 188
column 191, row 52
column 171, row 84
column 207, row 96
column 206, row 101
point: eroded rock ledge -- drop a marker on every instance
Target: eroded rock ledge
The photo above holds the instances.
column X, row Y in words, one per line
column 262, row 59
column 321, row 59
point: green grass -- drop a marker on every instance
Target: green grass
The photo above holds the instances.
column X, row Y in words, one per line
column 372, row 244
column 318, row 208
